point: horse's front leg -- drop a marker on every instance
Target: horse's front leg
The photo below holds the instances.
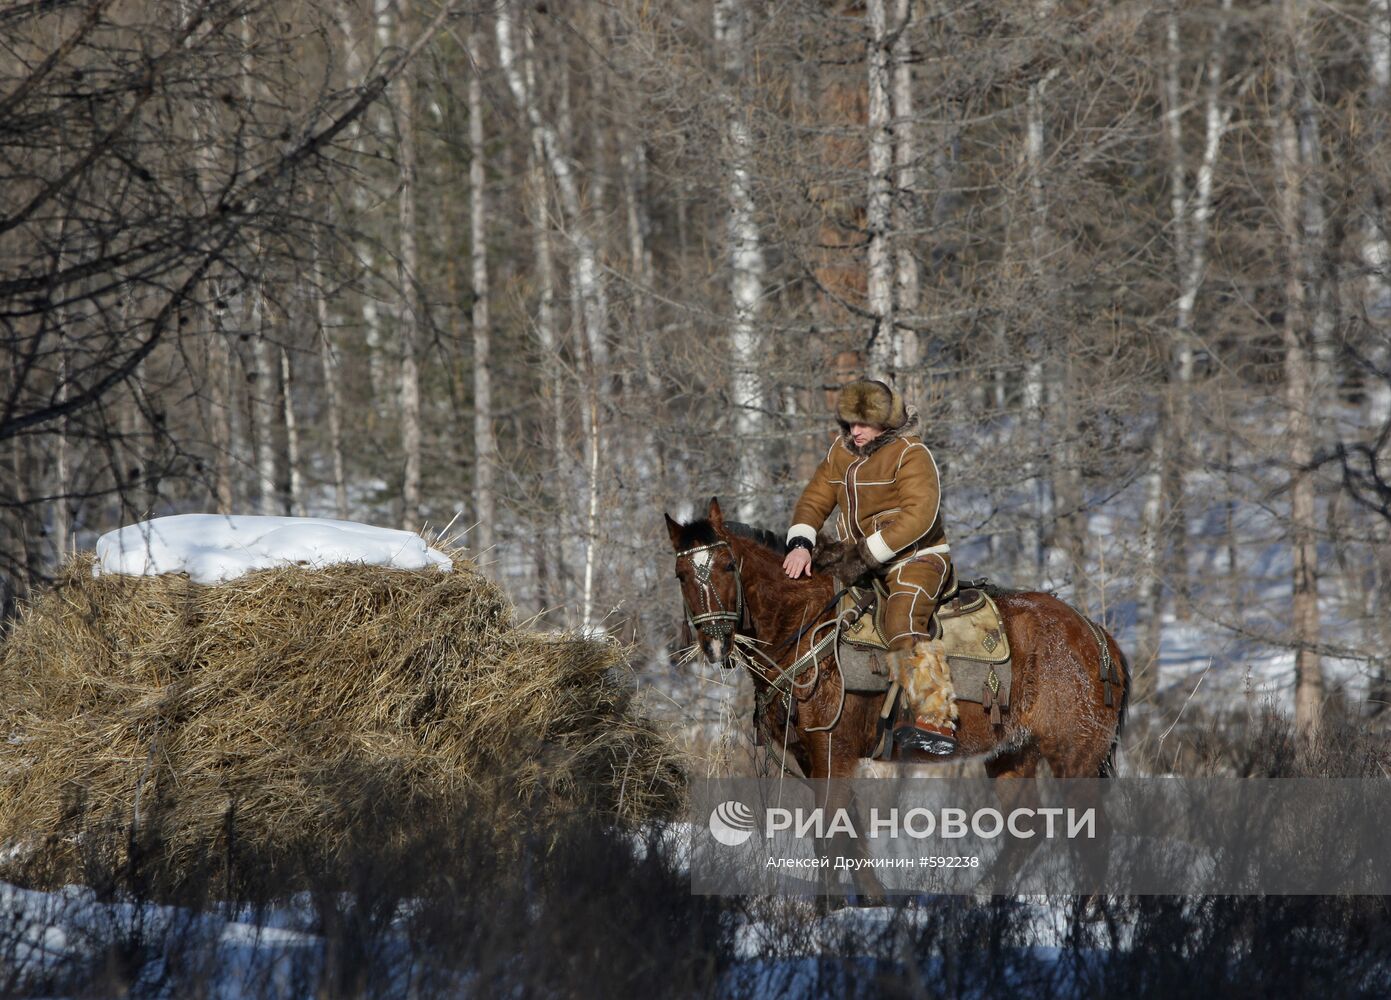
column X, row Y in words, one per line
column 830, row 777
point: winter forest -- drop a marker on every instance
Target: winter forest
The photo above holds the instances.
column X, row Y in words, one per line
column 531, row 274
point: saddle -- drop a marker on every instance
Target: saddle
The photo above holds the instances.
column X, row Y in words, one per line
column 968, row 625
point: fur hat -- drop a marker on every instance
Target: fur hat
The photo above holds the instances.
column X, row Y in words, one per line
column 870, row 401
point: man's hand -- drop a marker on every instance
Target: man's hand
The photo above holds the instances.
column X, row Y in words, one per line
column 798, row 561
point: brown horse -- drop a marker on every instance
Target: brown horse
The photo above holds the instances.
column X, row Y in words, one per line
column 736, row 593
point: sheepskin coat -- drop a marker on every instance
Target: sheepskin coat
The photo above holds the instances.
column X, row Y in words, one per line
column 888, row 494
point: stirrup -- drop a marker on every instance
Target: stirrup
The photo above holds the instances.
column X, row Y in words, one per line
column 925, row 737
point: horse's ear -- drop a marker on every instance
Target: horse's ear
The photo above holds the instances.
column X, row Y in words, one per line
column 674, row 530
column 716, row 515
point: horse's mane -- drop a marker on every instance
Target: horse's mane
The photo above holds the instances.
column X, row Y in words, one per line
column 702, row 532
column 763, row 536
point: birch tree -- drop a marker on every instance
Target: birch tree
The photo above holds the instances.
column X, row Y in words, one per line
column 484, row 442
column 1190, row 212
column 1035, row 387
column 589, row 283
column 745, row 259
column 550, row 549
column 329, row 363
column 375, row 35
column 294, row 485
column 879, row 207
column 262, row 376
column 906, row 215
column 408, row 275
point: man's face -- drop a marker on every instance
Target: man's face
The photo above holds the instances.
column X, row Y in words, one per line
column 863, row 434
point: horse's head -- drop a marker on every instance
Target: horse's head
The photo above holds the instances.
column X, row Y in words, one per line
column 711, row 587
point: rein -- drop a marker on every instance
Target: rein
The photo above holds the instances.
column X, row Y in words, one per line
column 812, row 624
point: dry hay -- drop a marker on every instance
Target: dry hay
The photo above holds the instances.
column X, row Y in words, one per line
column 302, row 701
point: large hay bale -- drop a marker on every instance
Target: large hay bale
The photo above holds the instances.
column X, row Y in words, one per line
column 301, row 700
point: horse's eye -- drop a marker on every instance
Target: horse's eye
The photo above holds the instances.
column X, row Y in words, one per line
column 729, row 568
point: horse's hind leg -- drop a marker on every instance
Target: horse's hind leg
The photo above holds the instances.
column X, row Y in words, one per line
column 1016, row 788
column 1085, row 795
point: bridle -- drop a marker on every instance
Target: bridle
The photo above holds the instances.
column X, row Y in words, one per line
column 714, row 620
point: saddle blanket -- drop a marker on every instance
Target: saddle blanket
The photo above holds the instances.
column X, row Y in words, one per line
column 969, row 634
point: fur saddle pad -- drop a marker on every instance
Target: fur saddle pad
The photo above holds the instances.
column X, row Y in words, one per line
column 968, row 629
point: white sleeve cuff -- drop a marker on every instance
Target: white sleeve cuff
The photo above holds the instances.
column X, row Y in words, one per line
column 879, row 548
column 801, row 531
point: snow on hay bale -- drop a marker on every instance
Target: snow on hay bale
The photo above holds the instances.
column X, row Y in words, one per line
column 301, row 699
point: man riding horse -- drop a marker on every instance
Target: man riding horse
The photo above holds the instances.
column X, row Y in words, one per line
column 885, row 482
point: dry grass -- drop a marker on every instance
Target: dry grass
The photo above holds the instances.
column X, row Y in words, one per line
column 292, row 704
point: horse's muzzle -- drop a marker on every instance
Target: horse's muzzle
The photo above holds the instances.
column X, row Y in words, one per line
column 717, row 649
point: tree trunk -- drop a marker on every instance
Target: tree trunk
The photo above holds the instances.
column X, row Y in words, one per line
column 588, row 278
column 632, row 164
column 1376, row 305
column 746, row 266
column 264, row 373
column 883, row 350
column 262, row 385
column 62, row 478
column 1069, row 515
column 374, row 335
column 906, row 222
column 588, row 275
column 1150, row 591
column 546, row 329
column 408, row 275
column 1376, row 249
column 23, row 534
column 1297, row 192
column 332, row 391
column 484, row 441
column 294, row 500
column 222, row 405
column 1035, row 389
column 61, row 518
column 1164, row 514
column 550, row 533
column 633, row 170
column 1189, row 219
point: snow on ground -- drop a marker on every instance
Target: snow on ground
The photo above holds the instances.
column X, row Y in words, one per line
column 212, row 548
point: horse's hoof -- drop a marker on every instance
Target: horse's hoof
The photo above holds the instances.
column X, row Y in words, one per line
column 922, row 741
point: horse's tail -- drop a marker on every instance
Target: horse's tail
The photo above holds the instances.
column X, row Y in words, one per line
column 1108, row 764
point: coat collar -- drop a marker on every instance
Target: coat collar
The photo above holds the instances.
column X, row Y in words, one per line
column 909, row 428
